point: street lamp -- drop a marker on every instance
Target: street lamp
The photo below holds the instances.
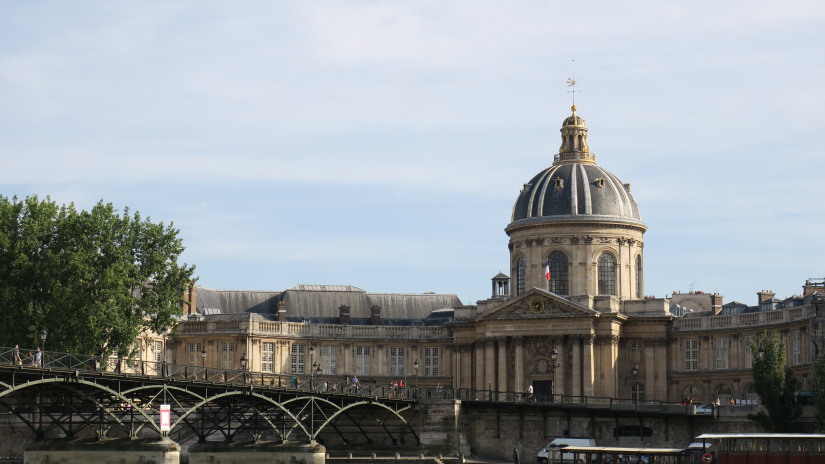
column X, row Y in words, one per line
column 635, row 372
column 164, row 332
column 415, row 365
column 43, row 355
column 243, row 366
column 554, row 355
column 311, row 363
column 761, row 351
column 203, row 353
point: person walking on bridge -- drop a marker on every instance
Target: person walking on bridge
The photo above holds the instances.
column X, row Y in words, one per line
column 15, row 356
column 515, row 456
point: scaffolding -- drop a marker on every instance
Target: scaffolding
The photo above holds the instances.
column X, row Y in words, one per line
column 815, row 290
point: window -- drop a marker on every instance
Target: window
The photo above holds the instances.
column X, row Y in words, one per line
column 397, row 360
column 607, row 274
column 195, row 354
column 113, row 360
column 430, row 361
column 723, row 394
column 632, row 431
column 721, row 353
column 297, row 358
column 750, row 395
column 691, row 355
column 637, row 352
column 227, row 355
column 692, row 391
column 748, row 351
column 639, row 277
column 330, row 359
column 637, row 392
column 362, row 360
column 796, row 346
column 268, row 357
column 558, row 273
column 520, row 276
column 158, row 352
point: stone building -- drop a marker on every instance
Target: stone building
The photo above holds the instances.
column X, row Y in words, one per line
column 574, row 320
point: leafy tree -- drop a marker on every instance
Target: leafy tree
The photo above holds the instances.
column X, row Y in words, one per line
column 93, row 279
column 818, row 389
column 775, row 383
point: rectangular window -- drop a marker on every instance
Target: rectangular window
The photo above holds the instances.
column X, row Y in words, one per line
column 158, row 352
column 362, row 360
column 748, row 351
column 691, row 355
column 430, row 361
column 195, row 354
column 797, row 347
column 297, row 359
column 397, row 360
column 721, row 353
column 227, row 355
column 268, row 357
column 330, row 359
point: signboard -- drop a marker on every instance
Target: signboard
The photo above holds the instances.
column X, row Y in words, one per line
column 165, row 418
column 435, row 411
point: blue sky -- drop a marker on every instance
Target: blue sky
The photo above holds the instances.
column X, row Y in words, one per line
column 382, row 144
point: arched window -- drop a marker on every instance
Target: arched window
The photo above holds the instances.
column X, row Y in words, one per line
column 607, row 274
column 520, row 276
column 558, row 273
column 638, row 277
column 692, row 391
column 750, row 395
column 637, row 392
column 723, row 394
column 637, row 352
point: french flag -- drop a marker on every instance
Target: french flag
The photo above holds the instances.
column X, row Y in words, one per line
column 547, row 270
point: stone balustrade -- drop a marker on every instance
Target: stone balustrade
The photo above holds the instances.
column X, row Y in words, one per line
column 742, row 320
column 301, row 330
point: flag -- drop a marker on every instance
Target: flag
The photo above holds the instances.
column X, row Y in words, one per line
column 547, row 271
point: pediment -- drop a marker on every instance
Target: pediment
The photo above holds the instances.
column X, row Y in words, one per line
column 534, row 303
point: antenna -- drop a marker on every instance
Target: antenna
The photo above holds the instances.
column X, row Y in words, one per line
column 574, row 83
column 693, row 286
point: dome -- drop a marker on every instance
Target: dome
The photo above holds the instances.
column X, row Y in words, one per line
column 575, row 188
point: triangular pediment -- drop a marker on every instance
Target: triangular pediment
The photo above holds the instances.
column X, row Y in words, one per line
column 537, row 302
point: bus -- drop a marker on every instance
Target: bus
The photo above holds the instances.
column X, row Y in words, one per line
column 616, row 455
column 767, row 448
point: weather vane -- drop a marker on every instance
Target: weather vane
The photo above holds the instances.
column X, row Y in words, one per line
column 574, row 83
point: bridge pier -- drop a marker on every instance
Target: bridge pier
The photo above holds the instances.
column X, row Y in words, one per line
column 248, row 452
column 92, row 450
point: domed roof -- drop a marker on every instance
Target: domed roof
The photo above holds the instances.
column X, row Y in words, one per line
column 574, row 188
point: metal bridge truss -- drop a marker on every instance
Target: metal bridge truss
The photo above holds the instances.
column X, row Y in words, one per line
column 52, row 402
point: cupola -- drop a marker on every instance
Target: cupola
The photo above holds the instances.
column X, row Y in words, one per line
column 574, row 141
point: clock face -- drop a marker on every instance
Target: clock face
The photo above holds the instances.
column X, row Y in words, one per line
column 537, row 306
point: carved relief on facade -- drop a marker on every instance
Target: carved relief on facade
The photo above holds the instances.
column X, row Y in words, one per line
column 529, row 242
column 539, row 241
column 574, row 239
column 556, row 240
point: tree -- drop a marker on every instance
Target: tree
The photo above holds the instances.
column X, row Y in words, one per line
column 775, row 383
column 93, row 279
column 818, row 389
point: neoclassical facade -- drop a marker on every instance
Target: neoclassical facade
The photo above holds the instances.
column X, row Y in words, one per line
column 572, row 320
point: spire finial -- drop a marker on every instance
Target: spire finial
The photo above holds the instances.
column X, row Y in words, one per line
column 574, row 83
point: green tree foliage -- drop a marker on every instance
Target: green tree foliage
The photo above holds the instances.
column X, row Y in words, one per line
column 775, row 383
column 818, row 389
column 93, row 279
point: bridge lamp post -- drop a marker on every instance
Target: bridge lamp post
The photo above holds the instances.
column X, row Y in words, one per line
column 312, row 369
column 243, row 366
column 554, row 355
column 203, row 353
column 635, row 372
column 415, row 365
column 164, row 332
column 43, row 356
column 761, row 351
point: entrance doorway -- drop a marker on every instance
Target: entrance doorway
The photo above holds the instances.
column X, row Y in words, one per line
column 543, row 391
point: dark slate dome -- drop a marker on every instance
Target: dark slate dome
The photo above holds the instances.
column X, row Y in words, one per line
column 575, row 188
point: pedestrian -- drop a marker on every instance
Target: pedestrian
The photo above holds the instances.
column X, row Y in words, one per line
column 515, row 456
column 31, row 358
column 38, row 358
column 324, row 387
column 356, row 383
column 530, row 392
column 272, row 383
column 15, row 356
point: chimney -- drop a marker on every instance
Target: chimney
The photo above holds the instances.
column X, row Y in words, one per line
column 376, row 315
column 343, row 313
column 765, row 296
column 190, row 296
column 282, row 311
column 716, row 302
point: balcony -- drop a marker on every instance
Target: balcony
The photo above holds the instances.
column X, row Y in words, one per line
column 743, row 320
column 324, row 331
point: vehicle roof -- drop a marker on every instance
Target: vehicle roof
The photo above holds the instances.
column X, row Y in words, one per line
column 610, row 449
column 761, row 435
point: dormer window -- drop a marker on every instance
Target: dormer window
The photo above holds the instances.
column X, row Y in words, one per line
column 559, row 183
column 600, row 182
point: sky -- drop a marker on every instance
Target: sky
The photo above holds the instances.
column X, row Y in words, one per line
column 382, row 144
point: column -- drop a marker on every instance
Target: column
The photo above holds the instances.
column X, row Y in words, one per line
column 502, row 365
column 466, row 357
column 650, row 369
column 347, row 352
column 561, row 371
column 576, row 370
column 276, row 357
column 609, row 365
column 587, row 366
column 661, row 369
column 380, row 363
column 478, row 379
column 489, row 364
column 518, row 347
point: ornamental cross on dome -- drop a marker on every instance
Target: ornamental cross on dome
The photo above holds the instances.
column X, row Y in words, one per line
column 574, row 83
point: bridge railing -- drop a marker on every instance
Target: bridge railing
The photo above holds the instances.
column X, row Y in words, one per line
column 137, row 367
column 563, row 401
